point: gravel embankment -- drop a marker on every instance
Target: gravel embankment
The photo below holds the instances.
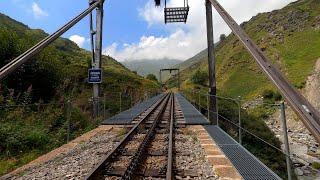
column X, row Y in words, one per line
column 76, row 163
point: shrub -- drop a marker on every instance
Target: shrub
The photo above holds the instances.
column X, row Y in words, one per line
column 316, row 165
column 267, row 94
column 152, row 77
column 271, row 95
column 37, row 139
column 199, row 77
column 222, row 37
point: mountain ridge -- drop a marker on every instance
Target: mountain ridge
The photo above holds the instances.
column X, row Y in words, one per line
column 144, row 67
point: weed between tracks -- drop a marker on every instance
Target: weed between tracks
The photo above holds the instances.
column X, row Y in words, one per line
column 122, row 133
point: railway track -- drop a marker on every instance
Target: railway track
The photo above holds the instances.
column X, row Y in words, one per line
column 146, row 151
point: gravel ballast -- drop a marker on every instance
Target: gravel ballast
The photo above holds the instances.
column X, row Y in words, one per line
column 76, row 163
column 191, row 156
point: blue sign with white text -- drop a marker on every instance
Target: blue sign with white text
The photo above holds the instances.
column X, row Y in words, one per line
column 95, row 76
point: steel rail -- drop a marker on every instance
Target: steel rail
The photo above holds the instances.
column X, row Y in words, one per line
column 98, row 171
column 21, row 59
column 308, row 114
column 133, row 166
column 169, row 175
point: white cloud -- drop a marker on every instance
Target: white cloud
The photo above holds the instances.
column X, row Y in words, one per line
column 37, row 11
column 79, row 40
column 151, row 14
column 112, row 49
column 151, row 47
column 185, row 40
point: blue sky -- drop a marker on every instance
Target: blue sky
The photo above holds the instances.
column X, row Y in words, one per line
column 118, row 20
column 134, row 29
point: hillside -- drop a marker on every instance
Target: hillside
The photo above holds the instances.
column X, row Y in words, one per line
column 145, row 67
column 63, row 59
column 193, row 60
column 290, row 37
column 34, row 114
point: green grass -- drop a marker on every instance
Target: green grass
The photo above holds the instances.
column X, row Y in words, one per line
column 237, row 72
column 299, row 54
column 288, row 37
column 316, row 165
column 243, row 83
column 9, row 164
column 55, row 75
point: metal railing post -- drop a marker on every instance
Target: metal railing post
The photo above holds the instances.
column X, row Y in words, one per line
column 285, row 139
column 239, row 119
column 192, row 97
column 104, row 106
column 217, row 109
column 199, row 99
column 208, row 105
column 120, row 108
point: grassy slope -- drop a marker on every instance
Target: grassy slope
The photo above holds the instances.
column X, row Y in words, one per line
column 290, row 37
column 75, row 61
column 59, row 72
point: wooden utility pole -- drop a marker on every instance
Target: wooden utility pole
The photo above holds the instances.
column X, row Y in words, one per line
column 96, row 64
column 213, row 116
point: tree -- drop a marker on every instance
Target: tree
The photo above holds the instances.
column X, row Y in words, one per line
column 152, row 77
column 199, row 77
column 9, row 47
column 222, row 37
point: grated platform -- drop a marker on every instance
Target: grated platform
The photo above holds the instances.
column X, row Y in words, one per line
column 191, row 115
column 127, row 116
column 247, row 164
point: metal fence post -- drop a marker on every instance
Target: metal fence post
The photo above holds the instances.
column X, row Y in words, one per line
column 68, row 119
column 120, row 102
column 208, row 105
column 199, row 99
column 104, row 106
column 217, row 109
column 98, row 107
column 285, row 138
column 193, row 98
column 239, row 113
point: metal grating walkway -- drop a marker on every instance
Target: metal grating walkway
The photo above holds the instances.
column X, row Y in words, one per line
column 127, row 116
column 191, row 115
column 248, row 165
